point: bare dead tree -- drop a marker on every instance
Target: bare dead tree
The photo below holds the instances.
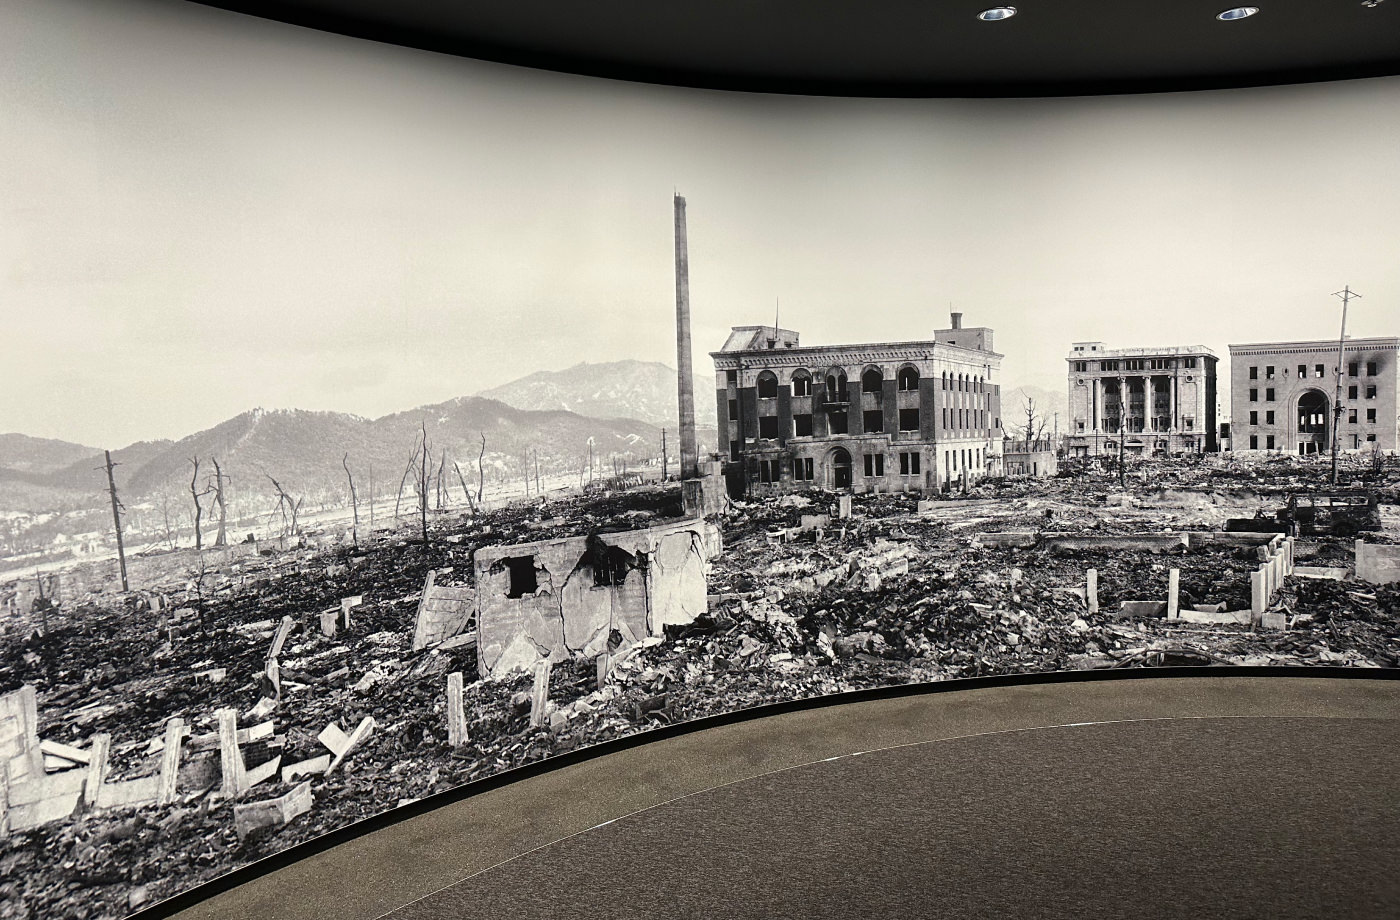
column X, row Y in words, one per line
column 371, row 500
column 412, row 461
column 354, row 503
column 471, row 503
column 1035, row 422
column 538, row 490
column 165, row 518
column 221, row 538
column 196, row 495
column 441, row 482
column 288, row 507
column 424, row 472
column 481, row 470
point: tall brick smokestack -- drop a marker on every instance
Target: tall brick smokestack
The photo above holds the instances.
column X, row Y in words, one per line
column 685, row 383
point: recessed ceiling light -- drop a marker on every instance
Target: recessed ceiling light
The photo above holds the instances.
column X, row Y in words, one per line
column 997, row 12
column 1239, row 12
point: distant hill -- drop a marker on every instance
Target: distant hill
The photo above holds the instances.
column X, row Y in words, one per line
column 620, row 407
column 643, row 390
column 1047, row 403
column 304, row 451
column 22, row 454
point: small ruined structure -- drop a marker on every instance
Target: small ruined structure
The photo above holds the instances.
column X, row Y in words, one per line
column 1029, row 458
column 879, row 417
column 1156, row 401
column 555, row 599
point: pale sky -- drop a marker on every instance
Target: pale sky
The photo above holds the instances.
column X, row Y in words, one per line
column 204, row 212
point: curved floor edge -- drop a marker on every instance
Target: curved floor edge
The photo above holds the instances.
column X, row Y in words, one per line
column 407, row 858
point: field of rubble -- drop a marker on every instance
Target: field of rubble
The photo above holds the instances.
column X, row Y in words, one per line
column 889, row 595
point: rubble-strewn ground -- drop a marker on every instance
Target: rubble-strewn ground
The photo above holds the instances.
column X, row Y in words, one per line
column 888, row 596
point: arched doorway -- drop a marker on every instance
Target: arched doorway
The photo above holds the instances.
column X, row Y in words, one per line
column 840, row 468
column 1312, row 423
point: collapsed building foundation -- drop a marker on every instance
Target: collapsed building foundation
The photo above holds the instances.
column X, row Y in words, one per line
column 556, row 599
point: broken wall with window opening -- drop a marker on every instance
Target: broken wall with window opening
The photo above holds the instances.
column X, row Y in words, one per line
column 571, row 597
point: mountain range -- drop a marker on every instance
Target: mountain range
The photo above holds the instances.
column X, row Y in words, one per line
column 549, row 418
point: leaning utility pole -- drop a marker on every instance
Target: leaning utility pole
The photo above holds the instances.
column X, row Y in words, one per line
column 1122, row 431
column 116, row 518
column 1346, row 294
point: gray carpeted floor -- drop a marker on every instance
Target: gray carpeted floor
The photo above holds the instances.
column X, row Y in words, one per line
column 1187, row 818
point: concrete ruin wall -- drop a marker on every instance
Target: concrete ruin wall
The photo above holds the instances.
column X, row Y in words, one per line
column 1377, row 563
column 585, row 588
column 20, row 758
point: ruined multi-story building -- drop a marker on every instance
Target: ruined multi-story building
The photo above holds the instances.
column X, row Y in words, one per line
column 880, row 417
column 1283, row 395
column 1156, row 401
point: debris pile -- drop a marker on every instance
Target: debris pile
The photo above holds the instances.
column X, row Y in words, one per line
column 300, row 690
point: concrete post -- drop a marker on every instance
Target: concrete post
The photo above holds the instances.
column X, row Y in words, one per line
column 1092, row 590
column 1257, row 602
column 539, row 700
column 1173, row 593
column 1015, row 581
column 456, row 715
column 690, row 458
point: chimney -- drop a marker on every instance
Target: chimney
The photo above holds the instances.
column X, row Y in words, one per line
column 685, row 383
column 957, row 320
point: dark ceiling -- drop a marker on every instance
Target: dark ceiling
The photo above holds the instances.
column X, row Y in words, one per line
column 888, row 47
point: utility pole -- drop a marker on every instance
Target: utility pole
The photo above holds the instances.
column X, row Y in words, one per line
column 1346, row 294
column 116, row 518
column 665, row 469
column 538, row 490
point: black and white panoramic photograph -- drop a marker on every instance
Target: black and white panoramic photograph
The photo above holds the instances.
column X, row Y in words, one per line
column 375, row 421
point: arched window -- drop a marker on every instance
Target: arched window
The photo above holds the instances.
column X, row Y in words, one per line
column 767, row 385
column 872, row 381
column 945, row 380
column 801, row 384
column 836, row 385
column 908, row 380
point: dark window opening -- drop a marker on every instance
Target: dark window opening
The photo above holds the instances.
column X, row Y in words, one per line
column 767, row 385
column 839, row 424
column 908, row 380
column 801, row 385
column 874, row 464
column 768, row 426
column 803, row 424
column 733, row 450
column 733, row 409
column 1269, row 394
column 1372, row 368
column 908, row 419
column 1254, row 373
column 1351, row 392
column 836, row 387
column 1352, row 368
column 1371, row 391
column 1321, row 371
column 874, row 421
column 802, row 469
column 522, row 575
column 731, row 377
column 610, row 565
column 872, row 380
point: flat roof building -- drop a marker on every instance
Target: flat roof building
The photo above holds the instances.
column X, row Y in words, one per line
column 1156, row 401
column 1283, row 395
column 878, row 417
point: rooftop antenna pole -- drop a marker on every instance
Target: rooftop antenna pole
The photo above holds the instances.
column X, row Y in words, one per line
column 1347, row 294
